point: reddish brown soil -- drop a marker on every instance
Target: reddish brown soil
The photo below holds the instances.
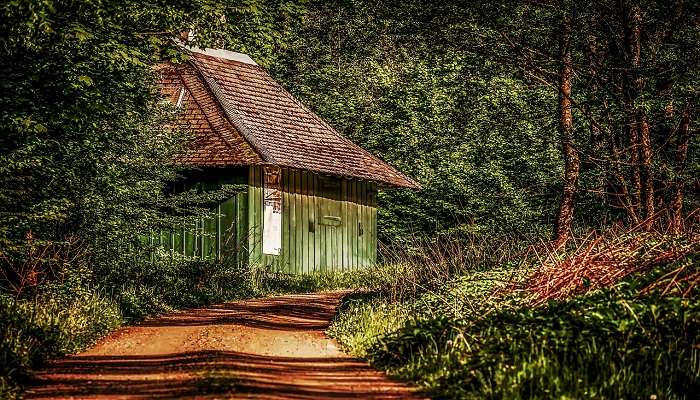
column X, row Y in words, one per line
column 272, row 348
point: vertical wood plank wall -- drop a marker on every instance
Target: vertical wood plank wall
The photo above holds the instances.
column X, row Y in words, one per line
column 223, row 236
column 328, row 223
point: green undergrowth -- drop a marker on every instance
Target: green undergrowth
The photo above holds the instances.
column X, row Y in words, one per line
column 170, row 286
column 54, row 323
column 265, row 283
column 65, row 317
column 475, row 338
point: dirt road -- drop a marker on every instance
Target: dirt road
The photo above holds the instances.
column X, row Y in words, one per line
column 272, row 348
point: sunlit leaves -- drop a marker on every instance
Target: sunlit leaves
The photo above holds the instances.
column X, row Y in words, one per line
column 408, row 82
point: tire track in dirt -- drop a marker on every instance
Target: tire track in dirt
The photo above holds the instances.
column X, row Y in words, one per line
column 272, row 348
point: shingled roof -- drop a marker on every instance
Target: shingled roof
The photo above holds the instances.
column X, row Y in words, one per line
column 241, row 116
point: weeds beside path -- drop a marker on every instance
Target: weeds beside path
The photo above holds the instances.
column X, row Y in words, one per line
column 615, row 317
column 271, row 348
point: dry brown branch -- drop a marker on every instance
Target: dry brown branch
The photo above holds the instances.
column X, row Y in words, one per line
column 42, row 261
column 600, row 260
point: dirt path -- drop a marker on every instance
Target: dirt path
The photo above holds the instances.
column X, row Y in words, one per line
column 270, row 348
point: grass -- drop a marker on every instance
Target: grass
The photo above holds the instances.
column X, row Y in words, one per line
column 366, row 317
column 487, row 335
column 50, row 325
column 66, row 317
column 432, row 318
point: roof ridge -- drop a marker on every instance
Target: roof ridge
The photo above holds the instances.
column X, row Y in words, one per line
column 233, row 117
column 280, row 128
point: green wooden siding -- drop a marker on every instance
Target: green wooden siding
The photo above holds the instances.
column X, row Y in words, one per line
column 222, row 236
column 328, row 223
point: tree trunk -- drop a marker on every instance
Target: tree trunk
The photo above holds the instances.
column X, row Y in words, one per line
column 679, row 167
column 641, row 176
column 566, row 132
column 622, row 194
column 640, row 141
column 635, row 176
column 645, row 170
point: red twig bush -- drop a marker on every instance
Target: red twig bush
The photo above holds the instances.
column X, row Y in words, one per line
column 600, row 260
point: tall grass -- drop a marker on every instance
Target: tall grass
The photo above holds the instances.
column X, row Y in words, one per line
column 481, row 335
column 404, row 273
column 53, row 323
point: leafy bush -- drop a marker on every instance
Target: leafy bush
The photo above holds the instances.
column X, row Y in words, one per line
column 471, row 340
column 55, row 323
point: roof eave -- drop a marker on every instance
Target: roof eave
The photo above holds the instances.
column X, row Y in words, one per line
column 408, row 184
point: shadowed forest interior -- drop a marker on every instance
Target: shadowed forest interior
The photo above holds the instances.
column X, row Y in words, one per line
column 546, row 244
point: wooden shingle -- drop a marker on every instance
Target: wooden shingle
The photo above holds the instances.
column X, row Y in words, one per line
column 241, row 116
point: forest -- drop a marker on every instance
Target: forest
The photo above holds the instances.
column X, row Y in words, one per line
column 553, row 250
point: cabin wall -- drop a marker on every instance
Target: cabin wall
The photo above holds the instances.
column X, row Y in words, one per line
column 328, row 223
column 221, row 236
column 224, row 234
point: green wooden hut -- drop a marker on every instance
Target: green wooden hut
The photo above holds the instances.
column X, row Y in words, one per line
column 310, row 198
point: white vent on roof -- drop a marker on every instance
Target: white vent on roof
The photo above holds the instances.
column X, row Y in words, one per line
column 218, row 53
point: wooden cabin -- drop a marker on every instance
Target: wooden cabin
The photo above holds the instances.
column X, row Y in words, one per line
column 310, row 198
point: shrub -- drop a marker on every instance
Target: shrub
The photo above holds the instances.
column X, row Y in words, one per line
column 479, row 336
column 55, row 323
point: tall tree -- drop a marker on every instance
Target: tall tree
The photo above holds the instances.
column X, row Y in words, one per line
column 566, row 132
column 639, row 124
column 631, row 86
column 681, row 157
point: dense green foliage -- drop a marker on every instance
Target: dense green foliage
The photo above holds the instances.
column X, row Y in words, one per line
column 87, row 144
column 466, row 342
column 462, row 97
column 397, row 78
column 86, row 159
